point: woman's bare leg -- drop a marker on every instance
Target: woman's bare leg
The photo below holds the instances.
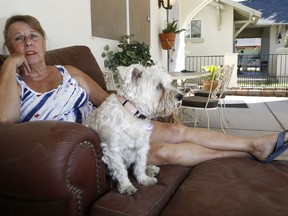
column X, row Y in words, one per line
column 259, row 147
column 185, row 154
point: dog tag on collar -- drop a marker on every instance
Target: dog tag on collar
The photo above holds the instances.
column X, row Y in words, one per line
column 150, row 127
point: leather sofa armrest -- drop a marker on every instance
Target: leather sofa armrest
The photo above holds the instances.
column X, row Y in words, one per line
column 50, row 161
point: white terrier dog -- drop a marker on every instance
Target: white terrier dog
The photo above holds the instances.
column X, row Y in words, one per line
column 123, row 122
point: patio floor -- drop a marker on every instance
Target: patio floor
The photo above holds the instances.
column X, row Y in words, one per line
column 262, row 115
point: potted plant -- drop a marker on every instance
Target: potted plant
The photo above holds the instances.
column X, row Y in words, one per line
column 129, row 52
column 168, row 34
column 213, row 70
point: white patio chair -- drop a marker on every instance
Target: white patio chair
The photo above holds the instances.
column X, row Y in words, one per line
column 212, row 100
column 225, row 80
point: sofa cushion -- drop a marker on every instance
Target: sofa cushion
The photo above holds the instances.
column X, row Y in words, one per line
column 148, row 200
column 233, row 186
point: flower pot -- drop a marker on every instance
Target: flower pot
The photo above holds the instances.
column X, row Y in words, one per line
column 167, row 40
column 207, row 84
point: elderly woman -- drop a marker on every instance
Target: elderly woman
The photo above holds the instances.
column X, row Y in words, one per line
column 31, row 90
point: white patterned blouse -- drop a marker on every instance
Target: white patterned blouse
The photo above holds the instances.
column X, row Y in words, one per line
column 68, row 102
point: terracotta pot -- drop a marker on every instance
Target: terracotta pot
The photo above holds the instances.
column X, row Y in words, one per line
column 207, row 84
column 167, row 40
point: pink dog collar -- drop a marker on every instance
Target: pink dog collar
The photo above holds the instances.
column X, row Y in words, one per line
column 126, row 103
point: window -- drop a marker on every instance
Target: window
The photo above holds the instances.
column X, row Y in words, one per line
column 194, row 29
column 108, row 18
column 111, row 19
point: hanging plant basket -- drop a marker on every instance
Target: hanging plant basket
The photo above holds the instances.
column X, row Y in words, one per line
column 167, row 40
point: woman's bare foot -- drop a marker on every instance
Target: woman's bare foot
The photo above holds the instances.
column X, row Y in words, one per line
column 265, row 145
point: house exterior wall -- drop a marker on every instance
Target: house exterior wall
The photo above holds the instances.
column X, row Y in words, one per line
column 215, row 42
column 68, row 22
column 73, row 19
column 270, row 42
column 265, row 41
column 276, row 43
column 185, row 10
column 188, row 8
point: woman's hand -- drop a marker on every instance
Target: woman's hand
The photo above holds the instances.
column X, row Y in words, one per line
column 20, row 63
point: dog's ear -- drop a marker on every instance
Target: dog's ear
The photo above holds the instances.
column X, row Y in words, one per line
column 136, row 74
column 129, row 74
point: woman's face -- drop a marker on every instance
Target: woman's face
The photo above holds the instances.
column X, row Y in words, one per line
column 26, row 41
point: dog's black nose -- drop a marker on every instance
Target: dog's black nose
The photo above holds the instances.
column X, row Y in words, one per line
column 179, row 96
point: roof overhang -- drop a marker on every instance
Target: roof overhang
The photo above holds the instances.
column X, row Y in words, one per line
column 244, row 17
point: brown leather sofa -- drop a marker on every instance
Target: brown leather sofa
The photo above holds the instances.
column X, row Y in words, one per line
column 55, row 169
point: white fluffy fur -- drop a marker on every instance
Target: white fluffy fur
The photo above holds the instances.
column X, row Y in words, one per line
column 124, row 137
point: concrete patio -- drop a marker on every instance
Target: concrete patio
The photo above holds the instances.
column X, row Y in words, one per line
column 262, row 116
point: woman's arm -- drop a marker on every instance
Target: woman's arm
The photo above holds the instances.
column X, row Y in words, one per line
column 96, row 94
column 9, row 88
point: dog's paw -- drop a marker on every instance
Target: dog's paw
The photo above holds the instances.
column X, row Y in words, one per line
column 152, row 170
column 129, row 190
column 148, row 181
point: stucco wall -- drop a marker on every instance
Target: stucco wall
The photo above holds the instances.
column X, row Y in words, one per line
column 67, row 23
column 215, row 42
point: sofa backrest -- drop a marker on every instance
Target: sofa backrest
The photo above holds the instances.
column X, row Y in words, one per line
column 80, row 57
